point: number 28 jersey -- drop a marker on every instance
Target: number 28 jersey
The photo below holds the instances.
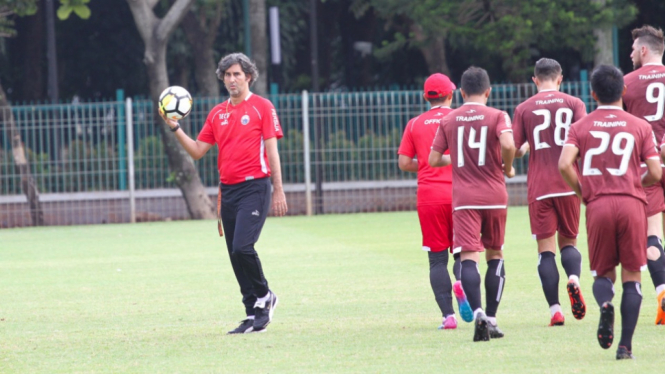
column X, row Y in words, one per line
column 645, row 96
column 543, row 121
column 471, row 132
column 612, row 145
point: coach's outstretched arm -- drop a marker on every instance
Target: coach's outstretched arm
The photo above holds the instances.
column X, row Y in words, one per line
column 438, row 159
column 195, row 148
column 654, row 172
column 507, row 153
column 568, row 156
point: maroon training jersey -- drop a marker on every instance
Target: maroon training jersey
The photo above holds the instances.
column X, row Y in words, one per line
column 471, row 132
column 645, row 96
column 612, row 145
column 543, row 121
column 434, row 184
column 239, row 132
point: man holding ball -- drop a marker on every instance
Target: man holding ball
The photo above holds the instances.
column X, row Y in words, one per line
column 245, row 128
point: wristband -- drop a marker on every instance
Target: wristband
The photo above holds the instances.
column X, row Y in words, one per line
column 176, row 128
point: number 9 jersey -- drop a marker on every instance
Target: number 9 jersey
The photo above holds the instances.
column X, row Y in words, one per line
column 543, row 121
column 645, row 96
column 612, row 145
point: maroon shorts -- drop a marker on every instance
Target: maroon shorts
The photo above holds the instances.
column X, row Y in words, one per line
column 477, row 229
column 617, row 232
column 436, row 223
column 655, row 199
column 655, row 196
column 562, row 214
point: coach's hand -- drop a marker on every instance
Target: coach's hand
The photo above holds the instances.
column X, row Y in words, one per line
column 172, row 123
column 279, row 207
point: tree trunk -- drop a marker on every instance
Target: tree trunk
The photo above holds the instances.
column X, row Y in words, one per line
column 28, row 184
column 201, row 36
column 259, row 40
column 604, row 44
column 433, row 50
column 155, row 33
column 31, row 36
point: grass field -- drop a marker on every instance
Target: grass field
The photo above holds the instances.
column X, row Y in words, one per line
column 354, row 297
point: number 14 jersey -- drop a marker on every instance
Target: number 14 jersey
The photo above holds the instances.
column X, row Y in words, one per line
column 612, row 145
column 543, row 121
column 471, row 132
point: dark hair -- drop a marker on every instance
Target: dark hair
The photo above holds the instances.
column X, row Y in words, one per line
column 547, row 69
column 247, row 66
column 475, row 81
column 651, row 37
column 607, row 83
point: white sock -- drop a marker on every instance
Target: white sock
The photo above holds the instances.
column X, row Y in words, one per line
column 477, row 311
column 264, row 298
column 492, row 320
column 575, row 279
column 250, row 317
column 660, row 289
column 555, row 308
column 450, row 315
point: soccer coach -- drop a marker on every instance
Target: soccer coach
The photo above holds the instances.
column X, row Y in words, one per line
column 245, row 128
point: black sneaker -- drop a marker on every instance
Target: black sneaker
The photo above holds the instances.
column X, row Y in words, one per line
column 606, row 325
column 246, row 326
column 263, row 312
column 495, row 332
column 481, row 332
column 624, row 354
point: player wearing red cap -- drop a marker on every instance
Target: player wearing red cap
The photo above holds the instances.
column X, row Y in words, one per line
column 541, row 124
column 645, row 98
column 434, row 196
column 481, row 147
column 610, row 145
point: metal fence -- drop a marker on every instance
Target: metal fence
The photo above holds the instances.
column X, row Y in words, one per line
column 105, row 162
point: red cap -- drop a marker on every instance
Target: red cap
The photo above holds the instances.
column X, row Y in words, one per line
column 438, row 86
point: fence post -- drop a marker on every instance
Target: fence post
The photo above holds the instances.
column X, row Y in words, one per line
column 584, row 78
column 308, row 166
column 130, row 159
column 122, row 172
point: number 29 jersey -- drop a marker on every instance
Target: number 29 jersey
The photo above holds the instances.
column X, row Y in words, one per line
column 645, row 96
column 471, row 132
column 612, row 145
column 543, row 121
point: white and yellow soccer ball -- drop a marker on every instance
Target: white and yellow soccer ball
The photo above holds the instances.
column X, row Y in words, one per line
column 175, row 102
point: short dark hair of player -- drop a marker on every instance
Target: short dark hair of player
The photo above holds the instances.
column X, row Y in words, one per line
column 475, row 81
column 248, row 67
column 651, row 37
column 547, row 69
column 607, row 83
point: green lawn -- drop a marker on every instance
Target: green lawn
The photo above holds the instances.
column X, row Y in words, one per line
column 354, row 297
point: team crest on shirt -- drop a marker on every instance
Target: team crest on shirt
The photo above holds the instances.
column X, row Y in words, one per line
column 244, row 119
column 550, row 95
column 611, row 116
column 471, row 111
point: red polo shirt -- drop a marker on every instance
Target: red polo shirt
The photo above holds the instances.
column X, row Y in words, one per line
column 240, row 132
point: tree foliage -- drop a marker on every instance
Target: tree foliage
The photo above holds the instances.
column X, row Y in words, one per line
column 514, row 31
column 79, row 7
column 8, row 8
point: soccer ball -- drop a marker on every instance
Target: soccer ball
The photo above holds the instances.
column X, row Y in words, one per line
column 175, row 102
